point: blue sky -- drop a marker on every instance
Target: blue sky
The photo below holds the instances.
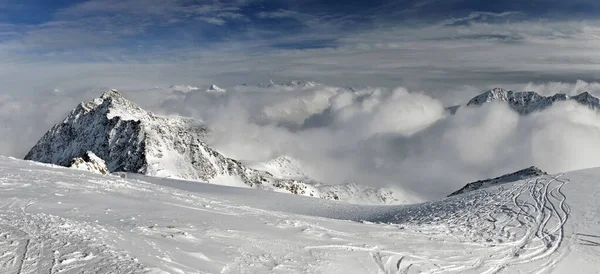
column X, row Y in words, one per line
column 135, row 27
column 429, row 45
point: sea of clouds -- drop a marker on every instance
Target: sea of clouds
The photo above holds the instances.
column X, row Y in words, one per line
column 380, row 137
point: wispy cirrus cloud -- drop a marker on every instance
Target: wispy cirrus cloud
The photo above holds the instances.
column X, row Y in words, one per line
column 98, row 25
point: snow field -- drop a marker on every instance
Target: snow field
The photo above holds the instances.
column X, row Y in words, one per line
column 56, row 220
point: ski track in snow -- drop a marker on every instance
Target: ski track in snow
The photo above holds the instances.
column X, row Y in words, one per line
column 489, row 231
column 40, row 243
column 519, row 226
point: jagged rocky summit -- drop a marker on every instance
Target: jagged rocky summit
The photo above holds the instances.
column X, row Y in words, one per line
column 523, row 174
column 130, row 139
column 113, row 132
column 526, row 102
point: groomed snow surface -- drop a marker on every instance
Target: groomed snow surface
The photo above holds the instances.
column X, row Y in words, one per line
column 58, row 220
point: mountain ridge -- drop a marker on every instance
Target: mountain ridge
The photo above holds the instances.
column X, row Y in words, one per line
column 527, row 102
column 523, row 174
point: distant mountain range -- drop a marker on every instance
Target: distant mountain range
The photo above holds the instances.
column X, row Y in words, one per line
column 527, row 102
column 289, row 84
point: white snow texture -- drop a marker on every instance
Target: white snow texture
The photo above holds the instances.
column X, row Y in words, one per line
column 58, row 220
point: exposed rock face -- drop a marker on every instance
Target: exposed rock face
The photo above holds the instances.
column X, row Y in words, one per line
column 89, row 162
column 107, row 126
column 527, row 102
column 523, row 174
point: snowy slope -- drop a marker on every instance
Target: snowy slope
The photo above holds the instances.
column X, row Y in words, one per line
column 58, row 220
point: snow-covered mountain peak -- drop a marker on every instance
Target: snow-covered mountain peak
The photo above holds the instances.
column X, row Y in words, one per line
column 110, row 126
column 495, row 94
column 585, row 98
column 183, row 88
column 111, row 104
column 526, row 102
column 215, row 88
column 131, row 139
column 111, row 93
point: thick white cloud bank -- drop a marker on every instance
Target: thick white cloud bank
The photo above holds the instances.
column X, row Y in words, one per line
column 373, row 136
